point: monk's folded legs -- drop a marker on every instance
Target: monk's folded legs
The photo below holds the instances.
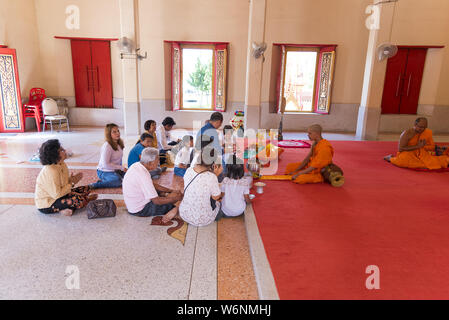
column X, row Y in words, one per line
column 292, row 167
column 309, row 178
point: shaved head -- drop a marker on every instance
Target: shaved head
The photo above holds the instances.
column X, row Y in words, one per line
column 420, row 125
column 316, row 128
column 314, row 132
column 420, row 119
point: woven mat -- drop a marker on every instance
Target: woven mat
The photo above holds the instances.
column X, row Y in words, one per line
column 179, row 232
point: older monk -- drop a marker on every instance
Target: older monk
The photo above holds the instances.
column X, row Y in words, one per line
column 416, row 146
column 309, row 170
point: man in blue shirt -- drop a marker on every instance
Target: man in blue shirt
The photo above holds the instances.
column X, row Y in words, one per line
column 146, row 140
column 210, row 130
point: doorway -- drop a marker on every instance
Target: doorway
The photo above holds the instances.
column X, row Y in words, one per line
column 92, row 73
column 403, row 81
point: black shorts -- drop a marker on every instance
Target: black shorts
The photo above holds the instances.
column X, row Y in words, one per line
column 152, row 209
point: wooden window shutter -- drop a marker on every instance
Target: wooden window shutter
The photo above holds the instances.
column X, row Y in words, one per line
column 219, row 73
column 176, row 76
column 280, row 81
column 325, row 77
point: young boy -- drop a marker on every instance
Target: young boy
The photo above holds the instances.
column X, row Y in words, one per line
column 145, row 141
column 184, row 156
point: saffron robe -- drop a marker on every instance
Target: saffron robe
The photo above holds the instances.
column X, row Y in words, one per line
column 322, row 154
column 420, row 158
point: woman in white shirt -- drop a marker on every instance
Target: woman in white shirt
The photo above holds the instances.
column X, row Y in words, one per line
column 110, row 168
column 201, row 189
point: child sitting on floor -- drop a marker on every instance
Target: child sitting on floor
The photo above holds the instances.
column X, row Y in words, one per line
column 184, row 156
column 234, row 189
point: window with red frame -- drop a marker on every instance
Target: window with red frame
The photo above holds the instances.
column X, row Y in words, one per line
column 305, row 77
column 198, row 75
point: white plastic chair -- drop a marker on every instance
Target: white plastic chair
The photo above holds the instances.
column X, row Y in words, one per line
column 51, row 113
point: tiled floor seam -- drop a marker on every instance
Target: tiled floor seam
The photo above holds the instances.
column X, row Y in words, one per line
column 204, row 276
column 193, row 264
column 6, row 209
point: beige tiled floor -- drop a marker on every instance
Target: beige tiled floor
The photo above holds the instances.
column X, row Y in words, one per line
column 122, row 257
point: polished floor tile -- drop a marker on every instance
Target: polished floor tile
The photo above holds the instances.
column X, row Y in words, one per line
column 117, row 258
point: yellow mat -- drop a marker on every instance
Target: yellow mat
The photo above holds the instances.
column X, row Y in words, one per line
column 277, row 178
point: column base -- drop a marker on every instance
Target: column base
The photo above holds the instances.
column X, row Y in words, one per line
column 131, row 118
column 368, row 123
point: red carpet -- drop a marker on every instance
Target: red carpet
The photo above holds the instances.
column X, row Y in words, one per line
column 319, row 239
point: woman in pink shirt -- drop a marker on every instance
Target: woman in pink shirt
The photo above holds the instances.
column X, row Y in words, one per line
column 110, row 167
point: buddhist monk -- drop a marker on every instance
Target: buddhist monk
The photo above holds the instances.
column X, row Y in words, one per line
column 416, row 146
column 308, row 171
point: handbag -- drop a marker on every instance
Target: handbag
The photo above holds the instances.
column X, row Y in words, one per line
column 103, row 208
column 120, row 173
column 213, row 203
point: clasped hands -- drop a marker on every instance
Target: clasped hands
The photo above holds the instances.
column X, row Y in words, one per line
column 422, row 143
column 75, row 178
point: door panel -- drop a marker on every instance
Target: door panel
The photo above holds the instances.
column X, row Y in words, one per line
column 11, row 113
column 102, row 75
column 412, row 81
column 82, row 73
column 394, row 82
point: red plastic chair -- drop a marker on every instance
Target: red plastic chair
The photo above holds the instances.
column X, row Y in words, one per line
column 33, row 109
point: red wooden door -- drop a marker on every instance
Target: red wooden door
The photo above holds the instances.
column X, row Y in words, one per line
column 394, row 78
column 412, row 81
column 92, row 73
column 82, row 73
column 102, row 75
column 403, row 81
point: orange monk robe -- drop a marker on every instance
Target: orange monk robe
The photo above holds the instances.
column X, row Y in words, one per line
column 322, row 154
column 420, row 158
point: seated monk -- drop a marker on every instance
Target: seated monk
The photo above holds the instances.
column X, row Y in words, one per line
column 415, row 147
column 309, row 170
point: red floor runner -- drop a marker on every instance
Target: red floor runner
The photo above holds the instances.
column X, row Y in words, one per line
column 319, row 239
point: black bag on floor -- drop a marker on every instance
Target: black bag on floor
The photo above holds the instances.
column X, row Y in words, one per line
column 103, row 208
column 120, row 173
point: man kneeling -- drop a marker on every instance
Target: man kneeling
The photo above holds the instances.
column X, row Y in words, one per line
column 142, row 197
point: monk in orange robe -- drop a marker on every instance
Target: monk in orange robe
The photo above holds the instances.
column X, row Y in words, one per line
column 416, row 149
column 309, row 170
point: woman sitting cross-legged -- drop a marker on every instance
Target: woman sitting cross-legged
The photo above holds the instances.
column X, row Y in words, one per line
column 55, row 190
column 144, row 198
column 200, row 205
column 150, row 127
column 110, row 169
